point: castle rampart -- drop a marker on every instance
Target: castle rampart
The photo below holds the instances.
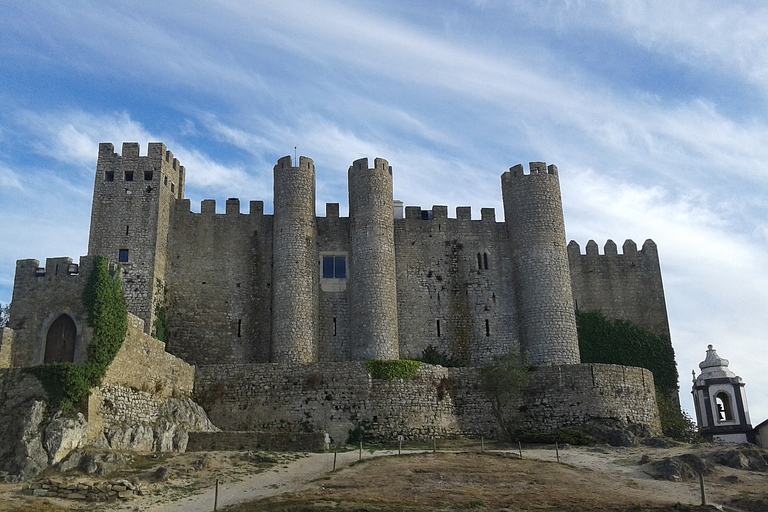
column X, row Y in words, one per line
column 624, row 286
column 534, row 215
column 340, row 397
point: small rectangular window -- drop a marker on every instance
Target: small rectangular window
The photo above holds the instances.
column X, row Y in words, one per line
column 334, row 267
column 123, row 256
column 109, row 176
column 148, row 175
column 172, row 188
column 340, row 267
column 128, row 175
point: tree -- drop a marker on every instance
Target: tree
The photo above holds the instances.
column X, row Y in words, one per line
column 5, row 314
column 504, row 379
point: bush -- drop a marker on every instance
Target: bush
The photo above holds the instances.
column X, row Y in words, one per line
column 390, row 370
column 674, row 422
column 432, row 355
column 569, row 436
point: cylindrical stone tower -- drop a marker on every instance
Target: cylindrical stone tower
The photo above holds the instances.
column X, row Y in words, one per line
column 533, row 211
column 372, row 275
column 295, row 307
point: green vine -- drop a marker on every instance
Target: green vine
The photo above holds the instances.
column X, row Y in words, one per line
column 390, row 370
column 622, row 342
column 68, row 384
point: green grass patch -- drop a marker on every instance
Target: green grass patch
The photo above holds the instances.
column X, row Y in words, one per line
column 390, row 370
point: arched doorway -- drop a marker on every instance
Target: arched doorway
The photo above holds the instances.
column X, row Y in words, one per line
column 60, row 341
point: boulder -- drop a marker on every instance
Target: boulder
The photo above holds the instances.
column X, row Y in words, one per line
column 64, row 434
column 682, row 468
column 22, row 455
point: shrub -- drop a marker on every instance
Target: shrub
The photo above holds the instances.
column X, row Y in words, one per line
column 503, row 380
column 431, row 355
column 390, row 370
column 570, row 436
column 674, row 422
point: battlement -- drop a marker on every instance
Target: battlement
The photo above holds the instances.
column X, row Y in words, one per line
column 208, row 207
column 379, row 164
column 54, row 267
column 439, row 212
column 131, row 151
column 629, row 248
column 286, row 162
column 534, row 169
column 159, row 165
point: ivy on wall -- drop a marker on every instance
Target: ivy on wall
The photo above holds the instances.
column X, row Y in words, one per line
column 390, row 370
column 622, row 342
column 67, row 384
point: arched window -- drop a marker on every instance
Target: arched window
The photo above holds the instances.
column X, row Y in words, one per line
column 724, row 406
column 60, row 341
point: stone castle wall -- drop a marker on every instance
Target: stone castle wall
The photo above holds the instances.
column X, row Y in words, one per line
column 218, row 283
column 7, row 337
column 624, row 286
column 142, row 363
column 340, row 397
column 574, row 395
column 454, row 290
column 40, row 296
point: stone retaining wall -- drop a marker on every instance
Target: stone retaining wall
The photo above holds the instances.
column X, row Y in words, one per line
column 340, row 397
column 269, row 441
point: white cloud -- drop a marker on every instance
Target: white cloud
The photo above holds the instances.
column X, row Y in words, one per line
column 9, row 180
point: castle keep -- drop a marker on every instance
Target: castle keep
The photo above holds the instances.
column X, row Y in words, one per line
column 316, row 295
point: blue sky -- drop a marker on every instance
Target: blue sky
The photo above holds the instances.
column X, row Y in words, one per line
column 655, row 114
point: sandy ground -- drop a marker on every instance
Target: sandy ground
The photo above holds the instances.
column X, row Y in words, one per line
column 587, row 475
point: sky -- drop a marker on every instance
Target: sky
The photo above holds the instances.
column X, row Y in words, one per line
column 654, row 112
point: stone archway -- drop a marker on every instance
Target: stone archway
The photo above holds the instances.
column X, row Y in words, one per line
column 60, row 341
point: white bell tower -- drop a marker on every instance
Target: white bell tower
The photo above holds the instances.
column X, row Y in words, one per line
column 720, row 401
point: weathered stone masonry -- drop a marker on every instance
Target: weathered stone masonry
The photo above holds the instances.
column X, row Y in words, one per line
column 340, row 397
column 257, row 301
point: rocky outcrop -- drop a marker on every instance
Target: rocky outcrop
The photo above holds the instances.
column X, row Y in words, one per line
column 164, row 427
column 22, row 418
column 64, row 434
column 31, row 438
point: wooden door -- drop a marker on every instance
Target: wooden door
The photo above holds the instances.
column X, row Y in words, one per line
column 60, row 341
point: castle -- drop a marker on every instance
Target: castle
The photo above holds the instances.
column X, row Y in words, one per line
column 252, row 299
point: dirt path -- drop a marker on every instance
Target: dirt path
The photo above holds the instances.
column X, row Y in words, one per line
column 303, row 473
column 294, row 476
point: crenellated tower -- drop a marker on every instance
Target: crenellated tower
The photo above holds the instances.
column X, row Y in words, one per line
column 533, row 212
column 132, row 199
column 372, row 275
column 295, row 306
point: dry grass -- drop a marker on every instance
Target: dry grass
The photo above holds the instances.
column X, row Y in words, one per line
column 467, row 481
